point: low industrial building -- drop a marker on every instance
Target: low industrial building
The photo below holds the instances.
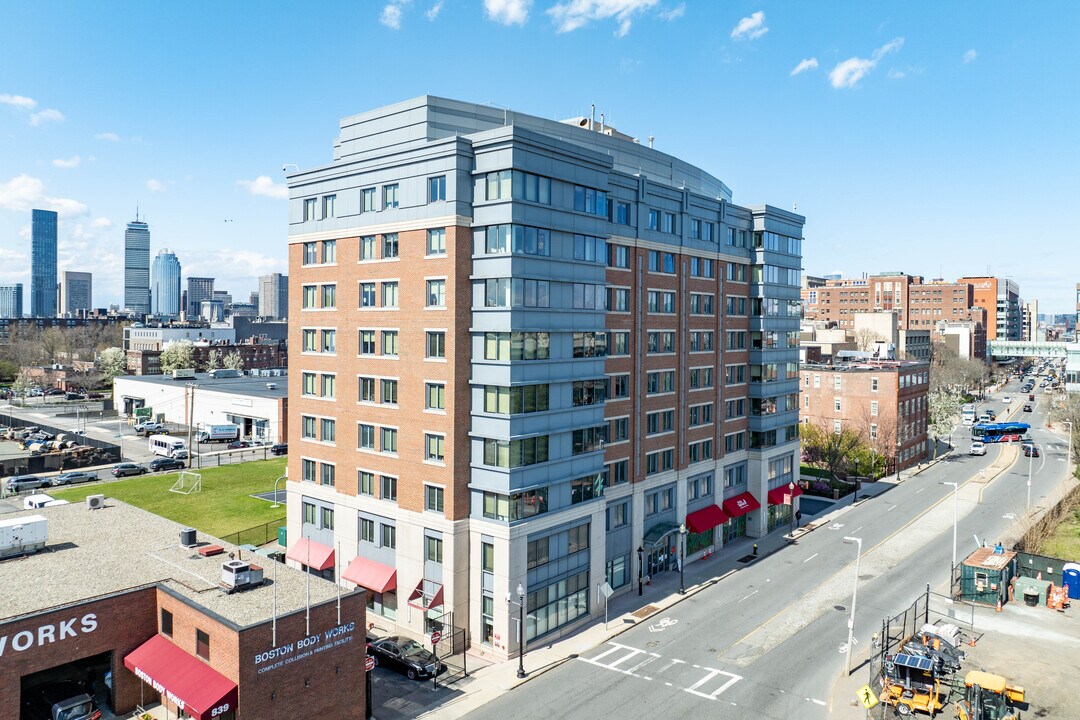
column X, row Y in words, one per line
column 257, row 403
column 136, row 611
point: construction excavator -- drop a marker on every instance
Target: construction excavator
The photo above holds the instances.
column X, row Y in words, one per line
column 988, row 697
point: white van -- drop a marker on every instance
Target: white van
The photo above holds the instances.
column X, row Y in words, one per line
column 166, row 445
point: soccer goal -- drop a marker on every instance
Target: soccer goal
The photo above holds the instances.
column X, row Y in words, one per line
column 187, row 483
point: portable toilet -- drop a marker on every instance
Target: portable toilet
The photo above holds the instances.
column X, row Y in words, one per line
column 1070, row 574
column 985, row 575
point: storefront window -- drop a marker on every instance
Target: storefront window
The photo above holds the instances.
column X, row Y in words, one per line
column 735, row 528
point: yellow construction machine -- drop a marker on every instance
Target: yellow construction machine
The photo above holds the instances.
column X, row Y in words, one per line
column 988, row 697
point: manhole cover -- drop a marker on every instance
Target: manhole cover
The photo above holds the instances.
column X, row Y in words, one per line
column 748, row 558
column 652, row 643
column 841, row 608
column 645, row 612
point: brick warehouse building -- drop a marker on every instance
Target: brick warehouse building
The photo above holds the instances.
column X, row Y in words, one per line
column 885, row 401
column 113, row 591
column 524, row 349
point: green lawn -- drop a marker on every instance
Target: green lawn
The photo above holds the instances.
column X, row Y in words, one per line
column 223, row 507
column 1065, row 543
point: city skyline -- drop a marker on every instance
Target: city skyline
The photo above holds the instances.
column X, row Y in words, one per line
column 879, row 178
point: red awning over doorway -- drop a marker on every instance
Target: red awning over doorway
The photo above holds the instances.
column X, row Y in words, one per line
column 313, row 554
column 704, row 519
column 372, row 575
column 184, row 680
column 783, row 495
column 740, row 505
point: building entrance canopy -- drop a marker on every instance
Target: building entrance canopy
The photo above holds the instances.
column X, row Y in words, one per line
column 657, row 533
column 185, row 681
column 312, row 554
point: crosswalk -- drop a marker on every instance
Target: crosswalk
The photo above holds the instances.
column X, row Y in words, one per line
column 699, row 680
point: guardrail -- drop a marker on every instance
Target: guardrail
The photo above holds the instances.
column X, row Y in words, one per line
column 258, row 535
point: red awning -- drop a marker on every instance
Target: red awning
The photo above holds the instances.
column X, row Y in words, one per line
column 372, row 575
column 189, row 683
column 740, row 505
column 313, row 554
column 428, row 594
column 704, row 519
column 783, row 495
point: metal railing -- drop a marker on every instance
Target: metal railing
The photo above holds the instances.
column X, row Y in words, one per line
column 258, row 535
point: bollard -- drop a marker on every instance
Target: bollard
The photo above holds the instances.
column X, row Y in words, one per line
column 755, row 549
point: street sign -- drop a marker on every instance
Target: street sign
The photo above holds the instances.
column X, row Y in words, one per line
column 867, row 697
column 143, row 412
column 369, row 663
column 606, row 590
column 436, row 636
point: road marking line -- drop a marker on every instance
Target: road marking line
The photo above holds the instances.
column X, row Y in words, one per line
column 616, row 647
column 810, row 558
column 643, row 663
column 892, row 507
column 712, row 673
column 669, row 684
column 857, row 529
column 919, row 490
column 816, row 701
column 746, row 598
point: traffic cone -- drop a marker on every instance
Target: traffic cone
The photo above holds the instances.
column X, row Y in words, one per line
column 971, row 641
column 1039, row 576
column 999, row 604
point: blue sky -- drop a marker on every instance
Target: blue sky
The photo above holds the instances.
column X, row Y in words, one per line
column 932, row 138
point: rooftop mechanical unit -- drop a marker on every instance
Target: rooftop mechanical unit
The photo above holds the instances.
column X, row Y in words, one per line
column 24, row 535
column 237, row 575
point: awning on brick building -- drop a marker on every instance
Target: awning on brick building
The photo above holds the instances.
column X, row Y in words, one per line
column 313, row 554
column 704, row 519
column 740, row 505
column 182, row 679
column 371, row 575
column 783, row 495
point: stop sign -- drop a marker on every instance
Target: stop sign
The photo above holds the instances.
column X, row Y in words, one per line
column 436, row 636
column 369, row 663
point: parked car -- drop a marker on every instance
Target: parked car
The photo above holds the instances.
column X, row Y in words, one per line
column 977, row 448
column 238, row 444
column 18, row 483
column 181, row 455
column 406, row 656
column 1031, row 450
column 53, row 392
column 164, row 463
column 1027, row 408
column 70, row 478
column 95, row 396
column 279, row 449
column 74, row 396
column 148, row 427
column 64, row 700
column 128, row 469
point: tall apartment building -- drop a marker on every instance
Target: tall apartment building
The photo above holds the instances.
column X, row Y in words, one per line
column 884, row 401
column 199, row 289
column 137, row 267
column 43, row 263
column 1001, row 299
column 165, row 284
column 521, row 350
column 918, row 305
column 1030, row 321
column 76, row 294
column 273, row 296
column 11, row 301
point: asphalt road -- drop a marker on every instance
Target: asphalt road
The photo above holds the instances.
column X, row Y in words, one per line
column 768, row 642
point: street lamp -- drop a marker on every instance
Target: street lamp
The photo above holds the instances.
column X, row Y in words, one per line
column 521, row 628
column 640, row 569
column 854, row 597
column 1068, row 466
column 682, row 559
column 956, row 502
column 791, row 499
column 898, row 445
column 1031, row 461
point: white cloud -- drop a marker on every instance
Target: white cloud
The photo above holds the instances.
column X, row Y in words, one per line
column 155, row 185
column 391, row 16
column 848, row 73
column 101, row 222
column 508, row 12
column 49, row 115
column 750, row 28
column 807, row 64
column 111, row 137
column 24, row 193
column 970, row 56
column 263, row 185
column 573, row 14
column 19, row 101
column 70, row 162
column 434, row 10
column 674, row 13
column 897, row 74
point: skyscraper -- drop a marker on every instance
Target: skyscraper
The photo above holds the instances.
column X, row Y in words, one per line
column 137, row 267
column 198, row 289
column 165, row 284
column 11, row 302
column 274, row 296
column 43, row 264
column 76, row 293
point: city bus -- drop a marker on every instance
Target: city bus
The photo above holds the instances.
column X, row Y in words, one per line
column 166, row 445
column 1000, row 432
column 967, row 415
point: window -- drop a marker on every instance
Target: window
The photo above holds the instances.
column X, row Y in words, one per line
column 537, row 553
column 701, row 267
column 618, row 256
column 434, row 447
column 388, row 487
column 367, row 530
column 388, row 536
column 661, row 461
column 737, row 408
column 202, row 644
column 660, row 301
column 436, row 293
column 618, row 343
column 618, row 299
column 329, row 386
column 309, row 513
column 695, row 229
column 669, row 223
column 390, row 343
column 328, row 203
column 390, row 246
column 658, row 422
column 311, row 253
column 329, row 341
column 328, row 518
column 307, row 384
column 660, row 381
column 311, row 206
column 367, row 342
column 365, row 482
column 622, row 213
column 309, row 297
column 436, row 188
column 734, row 374
column 654, row 220
column 436, row 241
column 620, row 386
column 589, row 439
column 734, row 441
column 619, row 429
column 590, row 201
column 590, row 249
column 498, row 185
column 661, row 342
column 389, row 391
column 701, row 341
column 436, row 396
column 736, row 340
column 433, row 498
column 390, row 196
column 389, row 294
column 366, row 437
column 617, row 516
column 367, row 248
column 436, row 344
column 701, row 414
column 517, row 346
column 329, row 296
column 517, row 239
column 433, row 549
column 166, row 622
column 736, row 305
column 701, row 304
column 368, row 201
column 588, row 297
column 367, row 295
column 388, row 440
column 617, row 472
column 873, row 384
column 874, row 407
column 307, row 470
column 533, row 188
column 700, row 451
column 327, row 429
column 701, row 378
column 586, row 392
column 328, row 472
column 590, row 344
column 661, row 262
column 736, row 272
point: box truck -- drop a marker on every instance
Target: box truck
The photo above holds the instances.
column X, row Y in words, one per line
column 219, row 433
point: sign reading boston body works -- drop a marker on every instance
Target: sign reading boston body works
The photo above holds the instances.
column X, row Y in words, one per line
column 47, row 634
column 304, row 648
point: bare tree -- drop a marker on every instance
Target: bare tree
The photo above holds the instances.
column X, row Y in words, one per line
column 828, row 449
column 865, row 339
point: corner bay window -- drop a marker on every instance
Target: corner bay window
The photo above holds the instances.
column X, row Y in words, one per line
column 516, row 346
column 516, row 506
column 516, row 453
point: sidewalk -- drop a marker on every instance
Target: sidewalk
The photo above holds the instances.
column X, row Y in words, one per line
column 628, row 609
